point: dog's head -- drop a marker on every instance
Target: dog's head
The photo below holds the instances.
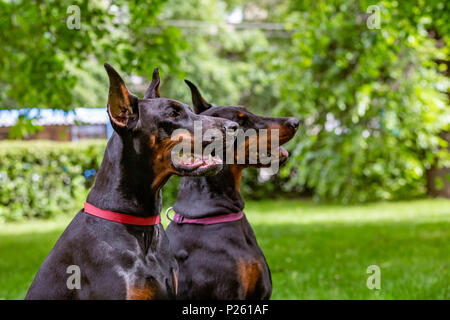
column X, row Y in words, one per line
column 259, row 132
column 151, row 127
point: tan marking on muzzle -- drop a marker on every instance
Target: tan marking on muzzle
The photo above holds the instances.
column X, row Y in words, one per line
column 162, row 163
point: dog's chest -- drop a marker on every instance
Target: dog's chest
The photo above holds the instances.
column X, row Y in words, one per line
column 145, row 269
column 144, row 279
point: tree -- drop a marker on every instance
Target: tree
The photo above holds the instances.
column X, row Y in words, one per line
column 43, row 54
column 373, row 100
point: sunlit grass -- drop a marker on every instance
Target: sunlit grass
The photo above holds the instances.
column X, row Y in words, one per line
column 315, row 251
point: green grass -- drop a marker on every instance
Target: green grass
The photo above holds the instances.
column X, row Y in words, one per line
column 315, row 251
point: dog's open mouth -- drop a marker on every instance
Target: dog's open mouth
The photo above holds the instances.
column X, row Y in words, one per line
column 196, row 164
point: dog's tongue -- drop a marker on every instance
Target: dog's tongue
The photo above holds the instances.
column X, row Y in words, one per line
column 284, row 152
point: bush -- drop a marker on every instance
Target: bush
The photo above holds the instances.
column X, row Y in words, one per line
column 39, row 179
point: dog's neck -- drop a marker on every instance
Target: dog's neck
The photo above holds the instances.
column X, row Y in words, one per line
column 123, row 181
column 210, row 195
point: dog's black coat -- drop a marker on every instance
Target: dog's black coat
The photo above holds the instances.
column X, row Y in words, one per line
column 211, row 258
column 221, row 261
column 119, row 261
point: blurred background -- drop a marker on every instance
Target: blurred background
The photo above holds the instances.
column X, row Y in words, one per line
column 370, row 81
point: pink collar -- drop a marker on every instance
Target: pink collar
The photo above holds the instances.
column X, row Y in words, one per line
column 178, row 218
column 120, row 217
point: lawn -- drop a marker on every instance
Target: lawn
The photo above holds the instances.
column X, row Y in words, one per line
column 315, row 251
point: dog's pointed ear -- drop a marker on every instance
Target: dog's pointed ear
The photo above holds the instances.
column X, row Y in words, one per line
column 153, row 90
column 198, row 102
column 122, row 105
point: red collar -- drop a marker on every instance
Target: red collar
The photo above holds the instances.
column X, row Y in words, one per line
column 178, row 218
column 121, row 217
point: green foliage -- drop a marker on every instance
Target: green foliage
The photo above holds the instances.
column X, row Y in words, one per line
column 43, row 179
column 39, row 52
column 220, row 60
column 372, row 100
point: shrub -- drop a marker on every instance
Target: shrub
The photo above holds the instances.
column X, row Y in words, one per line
column 39, row 179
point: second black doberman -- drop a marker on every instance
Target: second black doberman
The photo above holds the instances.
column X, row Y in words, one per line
column 217, row 259
column 116, row 246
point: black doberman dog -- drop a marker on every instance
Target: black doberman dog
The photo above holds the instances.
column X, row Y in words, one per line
column 125, row 260
column 222, row 260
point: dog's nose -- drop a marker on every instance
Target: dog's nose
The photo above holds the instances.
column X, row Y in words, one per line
column 293, row 123
column 231, row 126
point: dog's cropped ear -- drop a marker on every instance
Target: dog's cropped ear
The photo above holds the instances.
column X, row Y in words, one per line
column 122, row 105
column 199, row 103
column 153, row 90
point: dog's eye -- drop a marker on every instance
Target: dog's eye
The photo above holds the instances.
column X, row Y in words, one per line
column 174, row 114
